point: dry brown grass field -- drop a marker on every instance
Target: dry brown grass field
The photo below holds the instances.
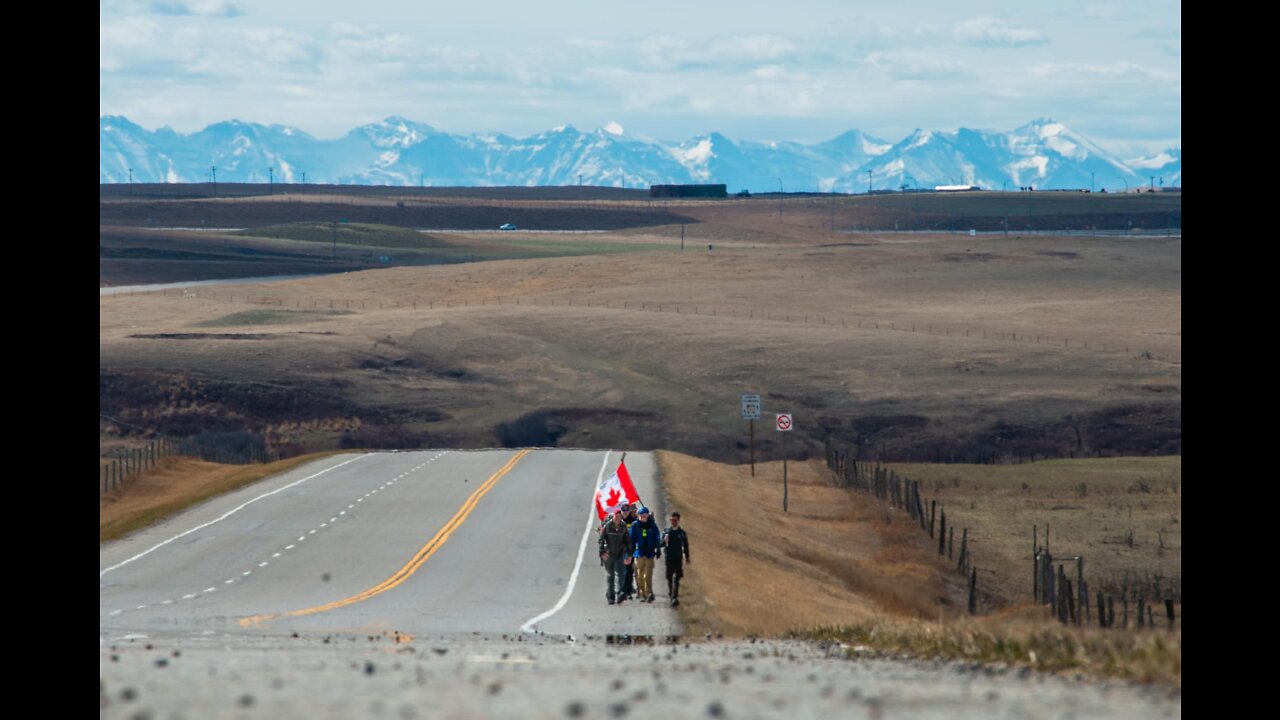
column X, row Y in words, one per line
column 830, row 559
column 911, row 346
column 1123, row 515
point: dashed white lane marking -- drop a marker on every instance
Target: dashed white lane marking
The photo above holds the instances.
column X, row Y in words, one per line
column 577, row 565
column 225, row 515
column 311, row 532
column 141, row 607
column 191, row 596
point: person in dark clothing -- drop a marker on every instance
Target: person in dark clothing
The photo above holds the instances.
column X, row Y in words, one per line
column 629, row 574
column 676, row 542
column 646, row 542
column 615, row 553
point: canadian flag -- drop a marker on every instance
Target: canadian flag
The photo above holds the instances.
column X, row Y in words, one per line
column 614, row 491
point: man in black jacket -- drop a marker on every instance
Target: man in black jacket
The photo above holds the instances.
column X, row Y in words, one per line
column 676, row 543
column 615, row 553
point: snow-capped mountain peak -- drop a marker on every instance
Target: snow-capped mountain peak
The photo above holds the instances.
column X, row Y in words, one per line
column 398, row 151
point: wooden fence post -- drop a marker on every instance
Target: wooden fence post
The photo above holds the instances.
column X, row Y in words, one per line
column 1063, row 594
column 1035, row 564
column 1151, row 619
column 1102, row 612
column 951, row 541
column 919, row 505
column 973, row 592
column 964, row 548
column 1080, row 586
column 1111, row 611
column 1036, row 573
column 1142, row 612
column 1071, row 604
column 1168, row 609
column 942, row 530
column 933, row 514
column 1124, row 619
column 1084, row 604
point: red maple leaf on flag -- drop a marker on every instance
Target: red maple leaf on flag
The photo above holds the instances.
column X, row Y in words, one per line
column 616, row 490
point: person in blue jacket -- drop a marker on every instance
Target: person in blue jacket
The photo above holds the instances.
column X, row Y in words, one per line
column 646, row 540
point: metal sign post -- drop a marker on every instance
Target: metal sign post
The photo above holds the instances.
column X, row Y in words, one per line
column 784, row 424
column 751, row 413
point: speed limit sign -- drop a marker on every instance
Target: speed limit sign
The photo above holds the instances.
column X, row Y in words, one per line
column 783, row 423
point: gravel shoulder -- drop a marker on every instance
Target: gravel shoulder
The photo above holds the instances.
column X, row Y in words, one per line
column 343, row 675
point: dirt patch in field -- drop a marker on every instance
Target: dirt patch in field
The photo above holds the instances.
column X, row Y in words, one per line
column 202, row 336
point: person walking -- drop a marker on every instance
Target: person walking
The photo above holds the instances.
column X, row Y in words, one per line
column 676, row 542
column 646, row 541
column 616, row 554
column 628, row 512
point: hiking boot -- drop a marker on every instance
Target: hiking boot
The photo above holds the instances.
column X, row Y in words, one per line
column 650, row 599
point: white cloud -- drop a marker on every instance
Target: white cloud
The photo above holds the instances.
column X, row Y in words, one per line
column 917, row 65
column 1102, row 11
column 200, row 8
column 668, row 53
column 994, row 32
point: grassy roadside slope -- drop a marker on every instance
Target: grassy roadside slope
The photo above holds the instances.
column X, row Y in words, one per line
column 838, row 568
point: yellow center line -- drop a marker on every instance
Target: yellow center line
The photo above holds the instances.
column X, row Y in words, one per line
column 420, row 557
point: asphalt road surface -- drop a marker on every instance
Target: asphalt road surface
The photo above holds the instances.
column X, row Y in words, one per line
column 466, row 584
column 415, row 542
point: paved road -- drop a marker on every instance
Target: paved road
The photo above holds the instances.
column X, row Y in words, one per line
column 416, row 542
column 437, row 584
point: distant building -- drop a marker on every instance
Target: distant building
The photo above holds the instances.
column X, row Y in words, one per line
column 689, row 191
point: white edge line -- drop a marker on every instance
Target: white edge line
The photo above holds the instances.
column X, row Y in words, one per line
column 529, row 626
column 225, row 515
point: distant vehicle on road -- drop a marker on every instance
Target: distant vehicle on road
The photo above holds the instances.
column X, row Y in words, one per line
column 506, row 226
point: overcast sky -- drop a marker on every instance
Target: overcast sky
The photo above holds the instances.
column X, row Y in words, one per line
column 801, row 70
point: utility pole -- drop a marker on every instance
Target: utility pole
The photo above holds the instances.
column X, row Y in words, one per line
column 271, row 180
column 213, row 175
column 304, row 177
column 868, row 182
column 130, row 182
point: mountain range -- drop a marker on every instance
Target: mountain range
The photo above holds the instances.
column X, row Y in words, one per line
column 1044, row 154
